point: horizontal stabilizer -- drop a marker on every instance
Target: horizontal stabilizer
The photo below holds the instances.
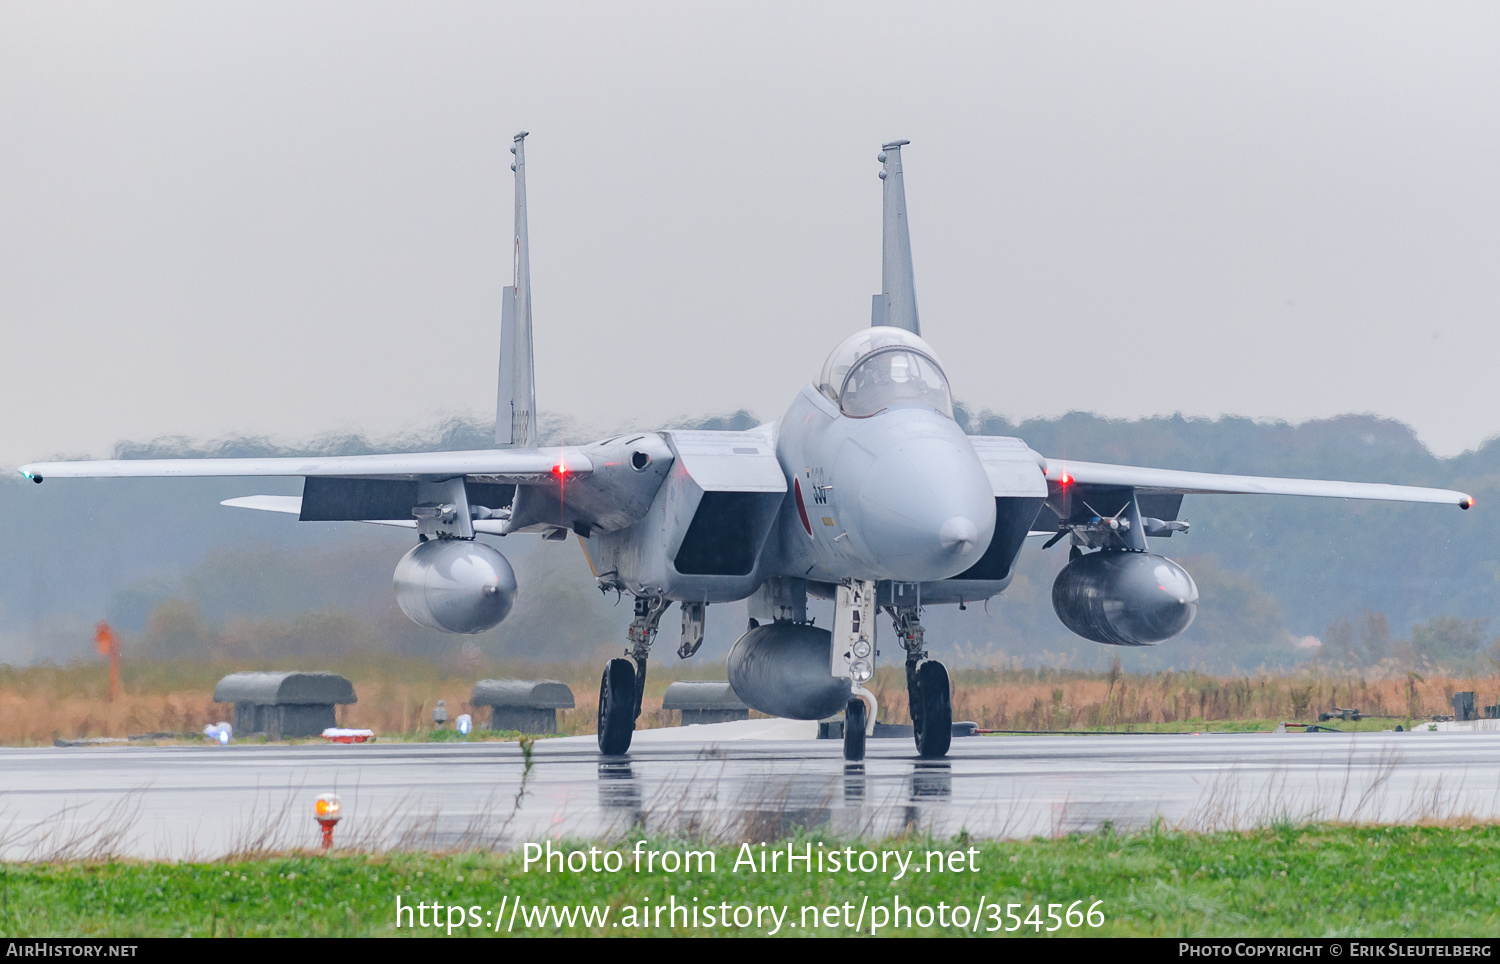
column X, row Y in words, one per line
column 286, row 504
column 292, row 505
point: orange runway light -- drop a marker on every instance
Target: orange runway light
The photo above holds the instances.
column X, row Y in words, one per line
column 326, row 810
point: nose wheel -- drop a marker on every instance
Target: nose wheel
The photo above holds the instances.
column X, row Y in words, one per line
column 929, row 696
column 855, row 719
column 617, row 694
column 931, row 700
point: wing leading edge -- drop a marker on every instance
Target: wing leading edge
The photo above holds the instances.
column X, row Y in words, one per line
column 1061, row 473
column 513, row 466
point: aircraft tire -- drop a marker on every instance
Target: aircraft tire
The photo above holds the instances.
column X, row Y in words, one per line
column 855, row 718
column 913, row 694
column 933, row 727
column 616, row 707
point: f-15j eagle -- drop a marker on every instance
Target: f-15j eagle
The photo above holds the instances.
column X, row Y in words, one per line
column 865, row 492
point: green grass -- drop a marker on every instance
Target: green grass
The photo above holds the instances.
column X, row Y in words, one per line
column 1292, row 881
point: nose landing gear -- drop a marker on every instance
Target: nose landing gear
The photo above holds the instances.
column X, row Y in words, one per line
column 855, row 720
column 929, row 694
column 931, row 699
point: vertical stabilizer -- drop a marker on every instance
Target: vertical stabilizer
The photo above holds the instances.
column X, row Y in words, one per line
column 515, row 413
column 896, row 305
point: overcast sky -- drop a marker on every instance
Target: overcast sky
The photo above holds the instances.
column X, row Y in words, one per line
column 295, row 218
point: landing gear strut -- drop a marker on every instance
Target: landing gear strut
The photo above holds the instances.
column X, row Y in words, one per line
column 928, row 693
column 624, row 679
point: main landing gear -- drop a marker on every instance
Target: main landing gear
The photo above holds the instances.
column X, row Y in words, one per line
column 625, row 678
column 928, row 692
column 616, row 707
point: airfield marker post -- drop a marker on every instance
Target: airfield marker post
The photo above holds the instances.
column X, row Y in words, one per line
column 326, row 810
column 107, row 641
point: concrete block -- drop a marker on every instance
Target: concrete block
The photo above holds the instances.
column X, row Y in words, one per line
column 705, row 701
column 529, row 706
column 284, row 706
column 1463, row 707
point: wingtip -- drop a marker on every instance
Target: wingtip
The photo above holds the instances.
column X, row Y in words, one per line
column 29, row 472
column 1466, row 503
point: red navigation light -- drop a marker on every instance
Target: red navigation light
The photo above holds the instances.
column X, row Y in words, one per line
column 1467, row 503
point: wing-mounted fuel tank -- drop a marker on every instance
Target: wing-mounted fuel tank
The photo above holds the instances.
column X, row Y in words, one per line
column 1125, row 598
column 783, row 669
column 455, row 586
column 705, row 533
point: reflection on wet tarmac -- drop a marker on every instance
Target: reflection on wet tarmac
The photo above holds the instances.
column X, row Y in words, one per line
column 618, row 790
column 854, row 783
column 204, row 801
column 931, row 779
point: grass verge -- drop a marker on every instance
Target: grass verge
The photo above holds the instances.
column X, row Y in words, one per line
column 1283, row 881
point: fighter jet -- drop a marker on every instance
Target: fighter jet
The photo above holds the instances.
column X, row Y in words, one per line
column 866, row 492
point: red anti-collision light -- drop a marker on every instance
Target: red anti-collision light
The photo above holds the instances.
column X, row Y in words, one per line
column 560, row 470
column 1066, row 480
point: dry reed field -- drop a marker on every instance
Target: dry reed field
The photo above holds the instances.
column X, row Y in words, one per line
column 397, row 696
column 1043, row 700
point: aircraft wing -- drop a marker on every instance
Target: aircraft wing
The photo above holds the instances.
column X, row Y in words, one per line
column 1062, row 473
column 506, row 466
column 292, row 505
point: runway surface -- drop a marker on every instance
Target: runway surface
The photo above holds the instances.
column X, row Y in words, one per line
column 731, row 781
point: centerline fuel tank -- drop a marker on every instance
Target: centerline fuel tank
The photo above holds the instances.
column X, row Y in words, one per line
column 784, row 669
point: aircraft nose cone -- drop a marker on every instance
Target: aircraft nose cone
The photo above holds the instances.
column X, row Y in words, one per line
column 958, row 531
column 925, row 510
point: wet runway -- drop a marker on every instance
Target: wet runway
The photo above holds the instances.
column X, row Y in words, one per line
column 732, row 781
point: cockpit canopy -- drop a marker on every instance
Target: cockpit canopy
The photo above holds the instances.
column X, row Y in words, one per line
column 880, row 368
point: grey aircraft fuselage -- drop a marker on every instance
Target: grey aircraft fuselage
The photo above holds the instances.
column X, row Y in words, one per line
column 898, row 496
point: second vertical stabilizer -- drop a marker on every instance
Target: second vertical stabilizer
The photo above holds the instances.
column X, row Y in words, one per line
column 896, row 305
column 515, row 413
